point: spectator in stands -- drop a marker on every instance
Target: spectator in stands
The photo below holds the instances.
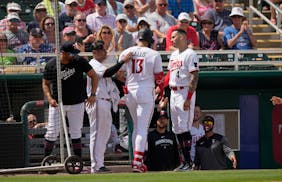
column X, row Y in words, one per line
column 39, row 13
column 68, row 34
column 123, row 39
column 114, row 7
column 162, row 153
column 15, row 35
column 12, row 8
column 201, row 6
column 6, row 60
column 212, row 149
column 238, row 35
column 144, row 8
column 66, row 18
column 219, row 15
column 84, row 35
column 50, row 6
column 96, row 20
column 183, row 23
column 175, row 7
column 197, row 130
column 143, row 23
column 161, row 21
column 273, row 11
column 35, row 45
column 86, row 6
column 106, row 34
column 209, row 38
column 129, row 11
column 48, row 27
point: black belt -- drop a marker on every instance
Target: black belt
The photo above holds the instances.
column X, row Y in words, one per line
column 104, row 99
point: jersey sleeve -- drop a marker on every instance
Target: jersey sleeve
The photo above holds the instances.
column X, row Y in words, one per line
column 123, row 67
column 193, row 64
column 158, row 63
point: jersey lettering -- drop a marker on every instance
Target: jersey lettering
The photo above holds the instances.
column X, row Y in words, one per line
column 176, row 64
column 137, row 65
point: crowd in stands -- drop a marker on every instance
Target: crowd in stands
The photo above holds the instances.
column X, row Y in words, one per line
column 117, row 23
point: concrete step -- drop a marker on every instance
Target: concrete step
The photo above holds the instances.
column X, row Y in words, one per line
column 262, row 28
column 266, row 35
column 272, row 43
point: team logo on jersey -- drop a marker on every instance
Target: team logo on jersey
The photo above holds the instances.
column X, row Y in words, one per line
column 67, row 73
column 176, row 64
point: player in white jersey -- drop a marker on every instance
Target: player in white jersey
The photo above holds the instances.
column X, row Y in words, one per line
column 182, row 78
column 197, row 130
column 107, row 95
column 143, row 71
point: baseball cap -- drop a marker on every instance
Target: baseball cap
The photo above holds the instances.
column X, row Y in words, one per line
column 98, row 45
column 163, row 113
column 36, row 32
column 206, row 18
column 128, row 2
column 68, row 30
column 100, row 1
column 40, row 6
column 121, row 17
column 184, row 16
column 237, row 11
column 68, row 47
column 207, row 119
column 14, row 6
column 146, row 34
column 143, row 19
column 70, row 1
column 13, row 15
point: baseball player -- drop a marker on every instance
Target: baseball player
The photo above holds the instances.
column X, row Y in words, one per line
column 73, row 95
column 99, row 114
column 182, row 78
column 197, row 130
column 144, row 69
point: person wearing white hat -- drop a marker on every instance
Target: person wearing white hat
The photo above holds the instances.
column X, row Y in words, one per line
column 183, row 23
column 66, row 18
column 123, row 39
column 15, row 35
column 239, row 35
column 129, row 11
column 12, row 8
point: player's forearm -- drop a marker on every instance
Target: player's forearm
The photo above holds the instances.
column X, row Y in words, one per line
column 194, row 81
column 46, row 89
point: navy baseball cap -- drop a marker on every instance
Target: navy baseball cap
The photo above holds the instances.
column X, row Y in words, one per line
column 68, row 47
column 163, row 114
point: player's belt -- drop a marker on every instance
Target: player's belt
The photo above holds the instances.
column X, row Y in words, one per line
column 105, row 99
column 176, row 88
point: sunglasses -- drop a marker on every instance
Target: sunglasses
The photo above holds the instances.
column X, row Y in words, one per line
column 41, row 10
column 14, row 20
column 129, row 7
column 109, row 33
column 207, row 122
column 73, row 5
column 81, row 20
column 70, row 34
column 122, row 21
column 220, row 1
column 207, row 22
column 163, row 5
column 184, row 21
column 49, row 24
column 102, row 4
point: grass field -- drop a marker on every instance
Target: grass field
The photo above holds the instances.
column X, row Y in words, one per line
column 273, row 175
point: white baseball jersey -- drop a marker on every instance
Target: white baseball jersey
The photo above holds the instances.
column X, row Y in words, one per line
column 180, row 64
column 145, row 63
column 196, row 134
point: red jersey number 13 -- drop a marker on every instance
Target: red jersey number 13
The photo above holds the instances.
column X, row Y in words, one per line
column 137, row 65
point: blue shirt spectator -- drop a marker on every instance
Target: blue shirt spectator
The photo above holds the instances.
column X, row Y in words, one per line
column 176, row 7
column 35, row 45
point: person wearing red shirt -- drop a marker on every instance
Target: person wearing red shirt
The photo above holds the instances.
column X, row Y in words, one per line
column 86, row 6
column 183, row 23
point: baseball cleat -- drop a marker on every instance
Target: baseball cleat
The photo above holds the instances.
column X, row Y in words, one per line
column 101, row 170
column 142, row 168
column 184, row 167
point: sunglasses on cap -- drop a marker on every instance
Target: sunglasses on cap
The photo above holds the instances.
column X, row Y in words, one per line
column 207, row 122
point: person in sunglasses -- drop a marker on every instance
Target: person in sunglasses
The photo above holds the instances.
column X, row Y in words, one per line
column 129, row 11
column 66, row 18
column 212, row 149
column 123, row 39
column 209, row 38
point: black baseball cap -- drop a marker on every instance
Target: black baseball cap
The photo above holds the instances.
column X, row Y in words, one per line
column 98, row 45
column 163, row 113
column 68, row 47
column 146, row 35
column 36, row 32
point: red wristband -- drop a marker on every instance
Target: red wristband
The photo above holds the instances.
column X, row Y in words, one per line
column 189, row 96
